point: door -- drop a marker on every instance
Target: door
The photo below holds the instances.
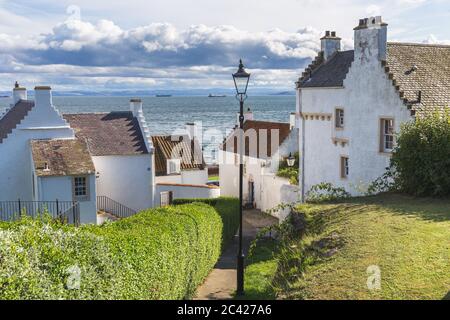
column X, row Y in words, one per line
column 251, row 193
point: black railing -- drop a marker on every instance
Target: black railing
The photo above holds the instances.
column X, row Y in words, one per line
column 114, row 208
column 65, row 211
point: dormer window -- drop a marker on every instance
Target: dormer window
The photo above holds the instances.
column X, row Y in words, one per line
column 339, row 118
column 173, row 166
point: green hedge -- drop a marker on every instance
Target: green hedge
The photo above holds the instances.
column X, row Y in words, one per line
column 158, row 254
column 421, row 160
column 227, row 208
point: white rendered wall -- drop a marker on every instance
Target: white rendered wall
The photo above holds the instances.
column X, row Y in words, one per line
column 367, row 96
column 276, row 191
column 269, row 190
column 42, row 122
column 126, row 179
column 196, row 177
column 52, row 188
column 186, row 192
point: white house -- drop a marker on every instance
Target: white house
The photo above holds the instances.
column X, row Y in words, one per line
column 265, row 145
column 82, row 158
column 351, row 103
column 180, row 168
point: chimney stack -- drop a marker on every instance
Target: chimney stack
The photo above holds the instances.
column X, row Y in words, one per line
column 330, row 44
column 293, row 121
column 43, row 96
column 371, row 40
column 193, row 130
column 248, row 116
column 136, row 106
column 19, row 93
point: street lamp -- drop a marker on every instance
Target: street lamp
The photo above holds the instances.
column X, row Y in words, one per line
column 290, row 160
column 241, row 79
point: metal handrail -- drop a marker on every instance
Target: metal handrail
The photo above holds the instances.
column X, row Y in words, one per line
column 114, row 208
column 67, row 211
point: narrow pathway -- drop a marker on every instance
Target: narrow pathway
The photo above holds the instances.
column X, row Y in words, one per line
column 221, row 282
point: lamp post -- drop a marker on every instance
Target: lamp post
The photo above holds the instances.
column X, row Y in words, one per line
column 241, row 79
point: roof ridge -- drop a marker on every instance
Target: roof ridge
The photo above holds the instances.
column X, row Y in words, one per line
column 265, row 121
column 412, row 44
column 100, row 112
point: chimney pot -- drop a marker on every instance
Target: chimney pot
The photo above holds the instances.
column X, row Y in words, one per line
column 19, row 93
column 135, row 106
column 330, row 44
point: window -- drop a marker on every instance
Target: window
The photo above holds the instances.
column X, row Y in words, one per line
column 166, row 198
column 80, row 188
column 387, row 135
column 173, row 166
column 345, row 170
column 339, row 118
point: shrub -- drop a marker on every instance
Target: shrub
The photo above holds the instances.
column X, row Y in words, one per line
column 228, row 210
column 157, row 254
column 326, row 192
column 41, row 259
column 290, row 173
column 421, row 159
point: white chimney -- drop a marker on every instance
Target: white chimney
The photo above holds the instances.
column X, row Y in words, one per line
column 330, row 44
column 248, row 116
column 371, row 40
column 136, row 106
column 193, row 130
column 293, row 121
column 19, row 93
column 43, row 96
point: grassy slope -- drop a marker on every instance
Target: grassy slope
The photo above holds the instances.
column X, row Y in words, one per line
column 409, row 239
column 261, row 266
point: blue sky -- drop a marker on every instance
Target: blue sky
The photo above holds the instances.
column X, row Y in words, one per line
column 176, row 44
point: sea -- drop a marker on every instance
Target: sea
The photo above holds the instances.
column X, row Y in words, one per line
column 166, row 115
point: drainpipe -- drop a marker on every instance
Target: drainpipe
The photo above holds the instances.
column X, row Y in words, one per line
column 302, row 145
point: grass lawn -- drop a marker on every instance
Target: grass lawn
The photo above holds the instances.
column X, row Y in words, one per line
column 407, row 238
column 261, row 266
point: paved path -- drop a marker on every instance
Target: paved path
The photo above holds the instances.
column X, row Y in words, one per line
column 221, row 282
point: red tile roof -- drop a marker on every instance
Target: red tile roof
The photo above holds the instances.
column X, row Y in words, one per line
column 259, row 128
column 114, row 133
column 165, row 149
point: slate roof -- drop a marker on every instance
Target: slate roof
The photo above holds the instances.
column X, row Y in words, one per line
column 258, row 127
column 419, row 72
column 330, row 73
column 13, row 117
column 107, row 134
column 170, row 147
column 63, row 157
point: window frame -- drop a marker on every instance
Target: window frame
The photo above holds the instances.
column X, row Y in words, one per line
column 86, row 196
column 177, row 163
column 339, row 119
column 383, row 135
column 169, row 195
column 344, row 165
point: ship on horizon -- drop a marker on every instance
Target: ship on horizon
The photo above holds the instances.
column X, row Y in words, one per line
column 163, row 95
column 216, row 95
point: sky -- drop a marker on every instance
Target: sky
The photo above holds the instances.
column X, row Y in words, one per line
column 101, row 45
